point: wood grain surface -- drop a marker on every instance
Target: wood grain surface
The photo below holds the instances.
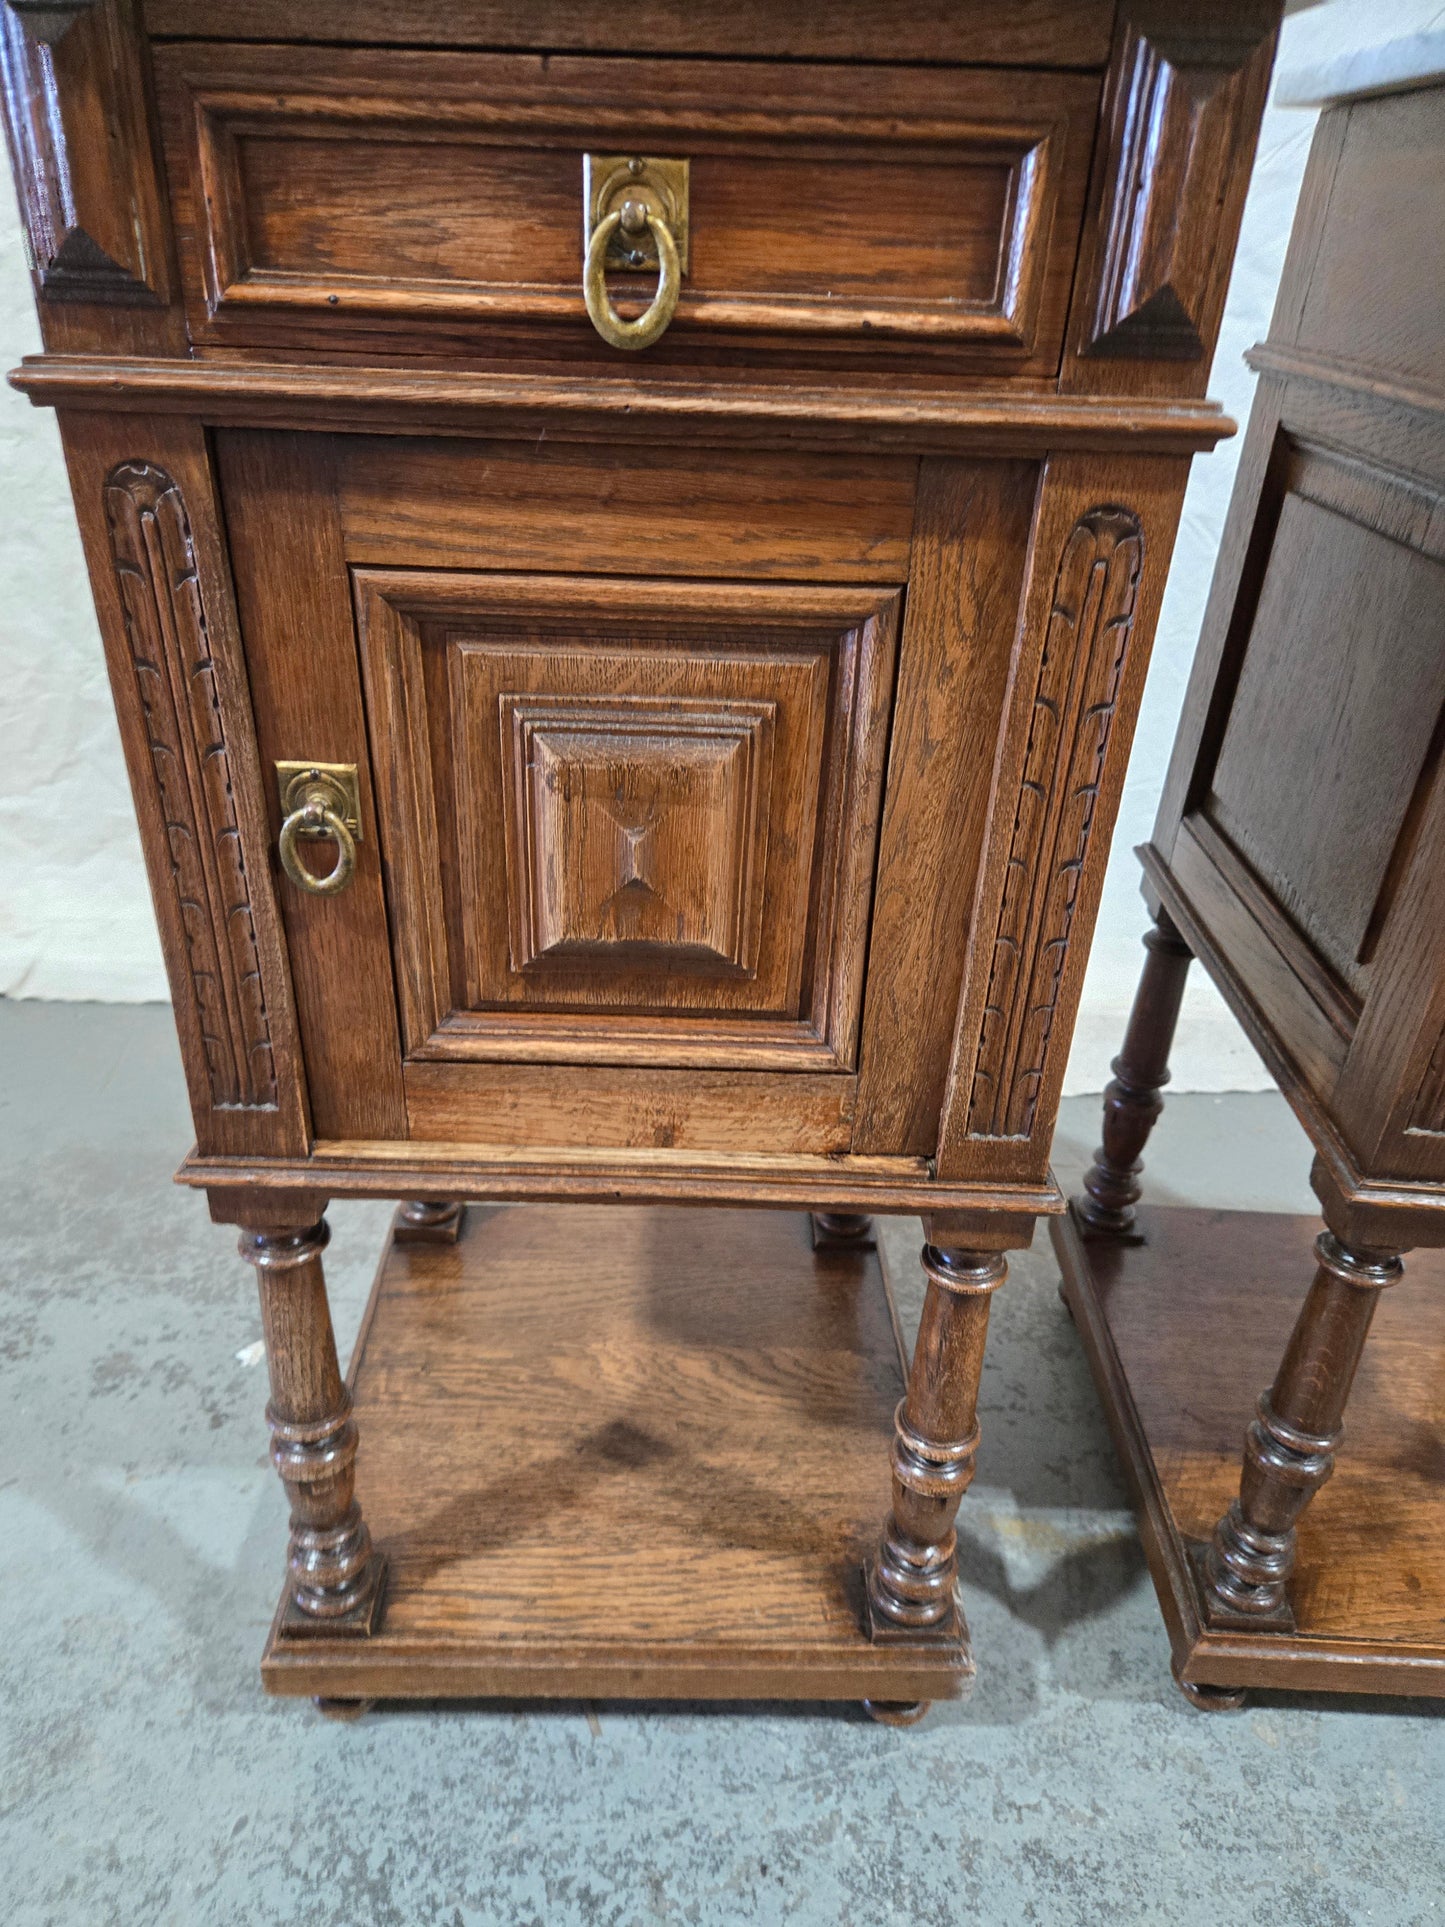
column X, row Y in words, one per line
column 658, row 1469
column 596, row 824
column 162, row 587
column 1303, row 819
column 965, row 585
column 1179, row 1370
column 1069, row 33
column 452, row 398
column 295, row 603
column 445, row 188
column 552, row 505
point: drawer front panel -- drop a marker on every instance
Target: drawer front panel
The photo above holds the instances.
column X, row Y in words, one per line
column 851, row 206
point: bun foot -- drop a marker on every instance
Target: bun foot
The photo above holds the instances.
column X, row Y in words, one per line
column 345, row 1710
column 1210, row 1699
column 896, row 1712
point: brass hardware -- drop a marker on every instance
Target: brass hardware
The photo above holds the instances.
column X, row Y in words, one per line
column 610, row 179
column 319, row 800
column 635, row 217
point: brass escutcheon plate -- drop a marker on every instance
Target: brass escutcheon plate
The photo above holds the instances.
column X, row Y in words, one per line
column 294, row 779
column 610, row 179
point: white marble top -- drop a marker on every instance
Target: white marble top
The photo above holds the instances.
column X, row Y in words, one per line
column 1413, row 60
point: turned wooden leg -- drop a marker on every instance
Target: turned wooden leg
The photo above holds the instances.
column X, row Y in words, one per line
column 1289, row 1449
column 911, row 1581
column 1132, row 1103
column 421, row 1223
column 842, row 1231
column 335, row 1575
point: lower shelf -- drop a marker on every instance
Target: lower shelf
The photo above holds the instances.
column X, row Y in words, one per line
column 1183, row 1330
column 624, row 1453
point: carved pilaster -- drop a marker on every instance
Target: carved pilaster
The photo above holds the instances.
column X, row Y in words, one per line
column 1080, row 676
column 166, row 629
column 911, row 1582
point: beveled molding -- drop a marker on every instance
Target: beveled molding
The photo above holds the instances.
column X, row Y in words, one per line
column 557, row 1174
column 1012, row 162
column 95, row 228
column 1182, row 98
column 673, row 888
column 642, row 817
column 1016, row 421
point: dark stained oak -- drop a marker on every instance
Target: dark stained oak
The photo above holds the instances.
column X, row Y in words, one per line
column 421, row 1221
column 992, row 1215
column 1290, row 1444
column 613, row 779
column 1178, row 1366
column 1185, row 94
column 842, row 1230
column 657, row 1450
column 147, row 504
column 336, row 1580
column 1182, row 104
column 443, row 188
column 1301, row 832
column 1072, row 33
column 1132, row 1101
column 1098, row 561
column 1298, row 854
column 1000, row 421
column 554, row 507
column 913, row 1577
column 638, row 803
column 966, row 576
column 91, row 198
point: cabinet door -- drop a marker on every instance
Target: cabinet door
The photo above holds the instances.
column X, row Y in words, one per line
column 620, row 723
column 626, row 821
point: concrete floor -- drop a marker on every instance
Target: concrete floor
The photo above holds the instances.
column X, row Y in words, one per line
column 146, row 1779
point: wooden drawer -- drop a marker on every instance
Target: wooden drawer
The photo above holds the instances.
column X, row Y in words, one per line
column 325, row 197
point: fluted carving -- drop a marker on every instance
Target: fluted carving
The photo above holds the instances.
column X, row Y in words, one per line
column 165, row 622
column 1090, row 625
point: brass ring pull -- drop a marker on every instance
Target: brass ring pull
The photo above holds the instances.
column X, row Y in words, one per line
column 315, row 804
column 632, row 217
